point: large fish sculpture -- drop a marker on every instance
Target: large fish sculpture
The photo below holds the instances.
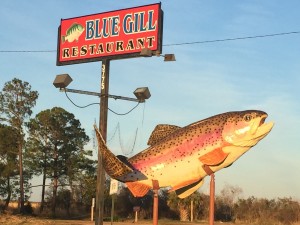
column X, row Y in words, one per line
column 180, row 157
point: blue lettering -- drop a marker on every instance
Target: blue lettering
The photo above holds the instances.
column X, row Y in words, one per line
column 142, row 28
column 151, row 25
column 115, row 26
column 98, row 34
column 136, row 20
column 89, row 30
column 105, row 28
column 128, row 24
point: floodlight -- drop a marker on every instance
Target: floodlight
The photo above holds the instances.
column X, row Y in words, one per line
column 62, row 81
column 142, row 93
column 169, row 57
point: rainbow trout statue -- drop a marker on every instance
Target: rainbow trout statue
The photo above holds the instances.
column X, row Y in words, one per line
column 180, row 157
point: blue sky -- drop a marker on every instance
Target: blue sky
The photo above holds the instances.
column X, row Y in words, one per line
column 206, row 79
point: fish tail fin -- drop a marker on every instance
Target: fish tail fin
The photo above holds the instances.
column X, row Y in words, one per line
column 113, row 166
column 138, row 189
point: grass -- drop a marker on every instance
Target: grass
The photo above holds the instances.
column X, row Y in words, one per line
column 23, row 220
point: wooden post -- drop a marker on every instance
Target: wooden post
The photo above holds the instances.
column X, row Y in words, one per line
column 136, row 216
column 192, row 210
column 92, row 209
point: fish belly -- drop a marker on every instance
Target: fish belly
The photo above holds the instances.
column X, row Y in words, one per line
column 183, row 172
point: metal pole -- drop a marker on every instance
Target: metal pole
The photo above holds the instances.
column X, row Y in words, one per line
column 155, row 206
column 155, row 185
column 112, row 209
column 104, row 86
column 212, row 200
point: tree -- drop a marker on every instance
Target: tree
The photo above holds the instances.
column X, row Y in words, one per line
column 55, row 144
column 200, row 203
column 8, row 162
column 225, row 203
column 16, row 103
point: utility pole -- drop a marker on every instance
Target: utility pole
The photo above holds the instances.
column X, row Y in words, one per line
column 104, row 86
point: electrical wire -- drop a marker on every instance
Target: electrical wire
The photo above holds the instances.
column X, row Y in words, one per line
column 119, row 114
column 27, row 51
column 79, row 105
column 234, row 39
column 175, row 44
column 123, row 114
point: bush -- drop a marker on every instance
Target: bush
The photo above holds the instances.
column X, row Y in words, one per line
column 28, row 210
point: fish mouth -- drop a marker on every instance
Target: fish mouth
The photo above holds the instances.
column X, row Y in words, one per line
column 262, row 128
column 258, row 131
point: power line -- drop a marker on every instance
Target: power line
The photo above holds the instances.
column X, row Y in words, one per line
column 234, row 39
column 27, row 51
column 174, row 44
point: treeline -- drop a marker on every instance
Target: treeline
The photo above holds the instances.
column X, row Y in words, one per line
column 228, row 207
column 50, row 145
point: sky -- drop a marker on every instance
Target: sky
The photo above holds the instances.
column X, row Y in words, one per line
column 207, row 78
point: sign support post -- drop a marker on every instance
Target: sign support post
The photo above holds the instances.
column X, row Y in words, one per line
column 112, row 208
column 104, row 86
column 92, row 209
column 212, row 200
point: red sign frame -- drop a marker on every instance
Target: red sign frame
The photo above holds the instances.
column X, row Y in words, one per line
column 110, row 35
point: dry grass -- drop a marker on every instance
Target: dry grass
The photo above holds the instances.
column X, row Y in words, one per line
column 22, row 220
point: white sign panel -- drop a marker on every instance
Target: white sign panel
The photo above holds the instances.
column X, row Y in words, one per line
column 113, row 186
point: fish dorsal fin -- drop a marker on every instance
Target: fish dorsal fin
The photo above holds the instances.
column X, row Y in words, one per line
column 160, row 132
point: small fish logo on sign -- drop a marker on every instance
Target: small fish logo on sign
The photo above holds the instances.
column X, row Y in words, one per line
column 73, row 33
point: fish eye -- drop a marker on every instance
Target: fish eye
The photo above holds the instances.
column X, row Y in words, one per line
column 247, row 117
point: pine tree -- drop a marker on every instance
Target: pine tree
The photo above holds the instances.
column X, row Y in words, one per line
column 16, row 103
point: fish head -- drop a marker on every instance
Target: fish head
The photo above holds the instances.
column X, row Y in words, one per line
column 80, row 28
column 245, row 128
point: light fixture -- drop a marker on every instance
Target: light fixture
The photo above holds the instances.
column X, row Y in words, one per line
column 146, row 52
column 62, row 81
column 142, row 93
column 169, row 57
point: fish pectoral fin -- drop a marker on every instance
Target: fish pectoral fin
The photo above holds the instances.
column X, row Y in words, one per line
column 138, row 189
column 189, row 189
column 214, row 157
column 161, row 131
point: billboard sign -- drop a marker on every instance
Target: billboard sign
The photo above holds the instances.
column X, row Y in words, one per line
column 110, row 35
